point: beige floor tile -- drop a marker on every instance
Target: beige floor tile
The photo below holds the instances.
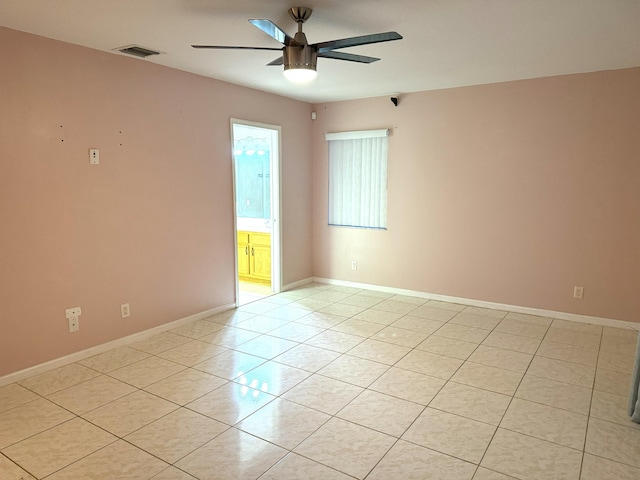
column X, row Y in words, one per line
column 114, row 359
column 570, row 337
column 185, row 386
column 524, row 329
column 572, row 373
column 296, row 467
column 58, row 447
column 229, row 337
column 118, row 460
column 615, row 338
column 448, row 347
column 172, row 473
column 176, row 435
column 11, row 471
column 354, row 370
column 257, row 308
column 191, row 353
column 512, row 342
column 321, row 320
column 470, row 402
column 261, row 324
column 546, row 423
column 343, row 310
column 487, row 312
column 296, row 332
column 336, row 341
column 130, row 413
column 461, row 332
column 230, row 403
column 287, row 312
column 430, row 364
column 322, row 393
column 454, row 307
column 412, row 386
column 29, row 419
column 429, row 312
column 329, row 295
column 58, row 379
column 147, row 371
column 347, row 447
column 361, row 328
column 378, row 351
column 417, row 324
column 91, row 394
column 14, row 395
column 596, row 468
column 501, row 358
column 400, row 336
column 233, row 454
column 197, row 329
column 486, row 474
column 413, row 462
column 230, row 317
column 159, row 343
column 489, row 378
column 612, row 408
column 410, row 299
column 577, row 327
column 568, row 353
column 310, row 304
column 395, row 306
column 616, row 361
column 451, row 434
column 266, row 346
column 361, row 301
column 475, row 320
column 381, row 412
column 555, row 394
column 273, row 377
column 307, row 357
column 284, row 423
column 378, row 316
column 530, row 319
column 613, row 441
column 612, row 381
column 529, row 458
column 230, row 364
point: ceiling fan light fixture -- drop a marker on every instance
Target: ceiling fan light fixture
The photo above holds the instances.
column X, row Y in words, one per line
column 300, row 74
column 300, row 61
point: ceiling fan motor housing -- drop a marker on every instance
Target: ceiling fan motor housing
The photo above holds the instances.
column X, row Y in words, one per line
column 300, row 56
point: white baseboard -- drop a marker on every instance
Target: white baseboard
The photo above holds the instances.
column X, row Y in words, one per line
column 605, row 322
column 120, row 342
column 299, row 283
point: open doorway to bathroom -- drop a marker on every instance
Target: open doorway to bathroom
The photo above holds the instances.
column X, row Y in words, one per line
column 256, row 173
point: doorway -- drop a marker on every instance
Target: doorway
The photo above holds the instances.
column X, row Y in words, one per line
column 256, row 181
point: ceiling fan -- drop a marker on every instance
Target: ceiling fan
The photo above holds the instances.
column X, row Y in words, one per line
column 298, row 57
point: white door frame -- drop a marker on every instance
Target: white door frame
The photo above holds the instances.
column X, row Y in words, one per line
column 276, row 207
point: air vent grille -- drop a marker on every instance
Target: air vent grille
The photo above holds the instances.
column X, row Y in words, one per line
column 138, row 51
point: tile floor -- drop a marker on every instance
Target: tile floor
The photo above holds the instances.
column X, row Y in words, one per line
column 252, row 291
column 336, row 383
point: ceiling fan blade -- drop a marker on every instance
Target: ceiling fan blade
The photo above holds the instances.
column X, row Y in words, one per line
column 274, row 31
column 277, row 61
column 348, row 56
column 355, row 41
column 229, row 47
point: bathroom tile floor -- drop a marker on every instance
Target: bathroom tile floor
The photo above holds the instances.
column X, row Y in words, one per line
column 327, row 382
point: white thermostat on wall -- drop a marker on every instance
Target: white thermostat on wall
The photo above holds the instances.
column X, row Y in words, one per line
column 94, row 156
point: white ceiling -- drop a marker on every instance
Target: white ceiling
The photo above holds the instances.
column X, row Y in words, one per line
column 447, row 43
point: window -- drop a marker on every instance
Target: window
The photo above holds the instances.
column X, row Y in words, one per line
column 358, row 178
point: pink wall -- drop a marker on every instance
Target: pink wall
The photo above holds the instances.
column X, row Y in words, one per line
column 511, row 193
column 152, row 225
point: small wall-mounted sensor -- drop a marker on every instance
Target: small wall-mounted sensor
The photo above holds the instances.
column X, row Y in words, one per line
column 94, row 156
column 314, row 115
column 394, row 100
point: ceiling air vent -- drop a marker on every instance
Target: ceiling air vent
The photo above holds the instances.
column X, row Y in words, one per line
column 138, row 51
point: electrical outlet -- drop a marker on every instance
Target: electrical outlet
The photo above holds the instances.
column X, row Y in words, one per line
column 578, row 292
column 74, row 324
column 125, row 311
column 354, row 265
column 94, row 156
column 73, row 312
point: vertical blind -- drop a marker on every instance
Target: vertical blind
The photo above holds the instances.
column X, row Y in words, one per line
column 358, row 178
